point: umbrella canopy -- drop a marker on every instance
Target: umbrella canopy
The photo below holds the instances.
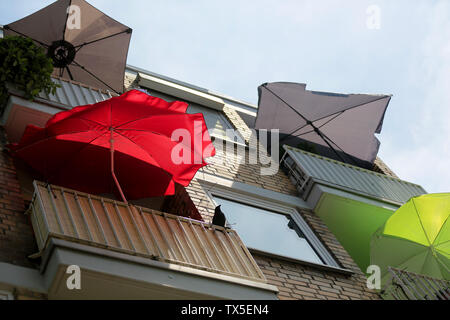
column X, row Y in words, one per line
column 126, row 143
column 416, row 237
column 85, row 44
column 338, row 126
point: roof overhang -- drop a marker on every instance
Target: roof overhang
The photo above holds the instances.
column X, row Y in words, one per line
column 180, row 91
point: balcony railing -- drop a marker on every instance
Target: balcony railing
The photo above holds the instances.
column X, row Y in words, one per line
column 404, row 285
column 306, row 169
column 100, row 222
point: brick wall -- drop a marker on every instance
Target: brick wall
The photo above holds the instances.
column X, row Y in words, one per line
column 16, row 234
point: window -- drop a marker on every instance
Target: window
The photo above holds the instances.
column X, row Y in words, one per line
column 216, row 122
column 268, row 231
column 269, row 223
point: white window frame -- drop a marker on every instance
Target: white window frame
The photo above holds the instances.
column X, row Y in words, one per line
column 276, row 207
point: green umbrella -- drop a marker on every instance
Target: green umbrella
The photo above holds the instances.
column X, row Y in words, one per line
column 416, row 238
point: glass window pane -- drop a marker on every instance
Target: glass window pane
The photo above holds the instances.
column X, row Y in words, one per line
column 268, row 231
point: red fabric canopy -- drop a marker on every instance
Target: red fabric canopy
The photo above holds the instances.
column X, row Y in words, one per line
column 74, row 148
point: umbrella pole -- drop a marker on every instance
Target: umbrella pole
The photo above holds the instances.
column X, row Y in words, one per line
column 111, row 143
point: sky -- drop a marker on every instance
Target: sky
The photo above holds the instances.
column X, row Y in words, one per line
column 399, row 47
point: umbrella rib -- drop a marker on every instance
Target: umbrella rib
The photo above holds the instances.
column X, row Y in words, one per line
column 322, row 125
column 441, row 262
column 292, row 132
column 440, row 229
column 146, row 153
column 420, row 220
column 70, row 73
column 404, row 239
column 157, row 133
column 319, row 133
column 353, row 107
column 51, row 137
column 23, row 35
column 442, row 243
column 67, row 18
column 426, row 259
column 93, row 75
column 104, row 38
column 149, row 116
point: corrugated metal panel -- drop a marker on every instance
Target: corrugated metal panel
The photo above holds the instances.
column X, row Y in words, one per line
column 72, row 94
column 353, row 178
column 92, row 220
column 405, row 285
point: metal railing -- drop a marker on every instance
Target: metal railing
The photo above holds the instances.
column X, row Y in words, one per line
column 92, row 220
column 405, row 285
column 297, row 176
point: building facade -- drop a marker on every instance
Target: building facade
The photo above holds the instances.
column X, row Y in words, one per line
column 287, row 244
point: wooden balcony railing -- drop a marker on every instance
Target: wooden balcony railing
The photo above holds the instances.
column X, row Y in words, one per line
column 95, row 221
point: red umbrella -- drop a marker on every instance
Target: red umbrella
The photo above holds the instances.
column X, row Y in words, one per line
column 138, row 143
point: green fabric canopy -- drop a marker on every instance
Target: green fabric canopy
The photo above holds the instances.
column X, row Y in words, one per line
column 416, row 237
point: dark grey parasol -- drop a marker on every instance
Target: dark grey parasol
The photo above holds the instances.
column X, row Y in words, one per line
column 339, row 126
column 85, row 44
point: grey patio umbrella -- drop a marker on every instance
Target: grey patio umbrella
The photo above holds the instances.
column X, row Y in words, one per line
column 85, row 44
column 339, row 126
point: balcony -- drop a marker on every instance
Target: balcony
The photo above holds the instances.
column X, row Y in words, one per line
column 131, row 252
column 20, row 112
column 403, row 285
column 353, row 202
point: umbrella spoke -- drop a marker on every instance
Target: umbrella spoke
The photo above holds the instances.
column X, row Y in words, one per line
column 23, row 35
column 440, row 229
column 163, row 135
column 148, row 116
column 353, row 107
column 420, row 220
column 170, row 176
column 158, row 133
column 100, row 39
column 51, row 137
column 70, row 73
column 319, row 133
column 322, row 125
column 67, row 18
column 93, row 75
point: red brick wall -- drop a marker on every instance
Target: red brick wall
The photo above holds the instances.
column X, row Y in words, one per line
column 16, row 234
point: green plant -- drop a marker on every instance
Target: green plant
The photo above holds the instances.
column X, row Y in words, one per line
column 26, row 66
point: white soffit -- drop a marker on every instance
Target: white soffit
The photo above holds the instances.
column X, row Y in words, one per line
column 180, row 91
